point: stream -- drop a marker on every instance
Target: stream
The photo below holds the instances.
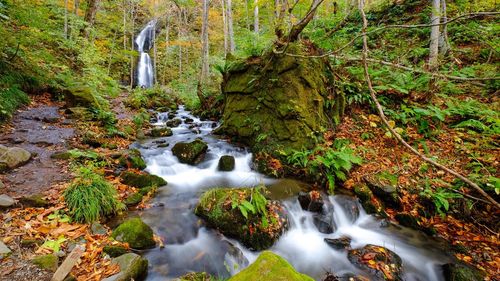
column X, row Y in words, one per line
column 192, row 247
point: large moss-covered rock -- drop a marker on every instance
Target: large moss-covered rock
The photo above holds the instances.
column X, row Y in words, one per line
column 461, row 272
column 196, row 276
column 13, row 157
column 226, row 163
column 216, row 208
column 132, row 159
column 132, row 267
column 79, row 95
column 161, row 132
column 115, row 251
column 270, row 266
column 190, row 153
column 47, row 262
column 141, row 180
column 136, row 233
column 279, row 100
column 384, row 186
column 381, row 262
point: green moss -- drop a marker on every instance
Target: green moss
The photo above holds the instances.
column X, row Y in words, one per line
column 270, row 266
column 136, row 233
column 141, row 180
column 115, row 251
column 47, row 262
column 196, row 276
column 133, row 199
column 190, row 153
column 161, row 132
column 132, row 159
column 461, row 272
column 35, row 200
column 363, row 192
column 226, row 163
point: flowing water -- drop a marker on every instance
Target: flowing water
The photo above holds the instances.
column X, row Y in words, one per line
column 144, row 42
column 191, row 247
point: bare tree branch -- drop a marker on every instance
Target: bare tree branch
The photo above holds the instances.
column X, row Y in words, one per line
column 298, row 27
column 394, row 133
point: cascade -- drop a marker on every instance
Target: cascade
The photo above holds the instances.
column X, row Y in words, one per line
column 144, row 42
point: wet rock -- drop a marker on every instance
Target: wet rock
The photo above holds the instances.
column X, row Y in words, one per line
column 195, row 276
column 373, row 259
column 171, row 115
column 136, row 233
column 270, row 266
column 47, row 262
column 215, row 208
column 384, row 186
column 132, row 267
column 141, row 180
column 461, row 272
column 189, row 120
column 133, row 199
column 4, row 250
column 13, row 157
column 31, row 242
column 6, row 201
column 160, row 141
column 286, row 188
column 190, row 153
column 132, row 158
column 311, row 201
column 115, row 251
column 98, row 229
column 324, row 223
column 350, row 206
column 406, row 219
column 226, row 163
column 163, row 145
column 365, row 195
column 161, row 132
column 174, row 122
column 341, row 243
column 35, row 200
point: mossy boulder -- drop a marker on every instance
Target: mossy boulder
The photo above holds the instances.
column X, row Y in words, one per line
column 132, row 267
column 13, row 157
column 216, row 208
column 190, row 153
column 461, row 272
column 366, row 197
column 133, row 199
column 136, row 233
column 279, row 100
column 47, row 262
column 384, row 186
column 141, row 180
column 132, row 158
column 226, row 163
column 370, row 255
column 159, row 132
column 80, row 95
column 35, row 200
column 115, row 251
column 196, row 276
column 270, row 266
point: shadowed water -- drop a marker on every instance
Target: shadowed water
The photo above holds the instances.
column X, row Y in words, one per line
column 191, row 247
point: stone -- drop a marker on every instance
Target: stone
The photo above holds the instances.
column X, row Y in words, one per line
column 6, row 201
column 80, row 95
column 190, row 153
column 136, row 233
column 270, row 266
column 406, row 219
column 4, row 250
column 461, row 272
column 195, row 276
column 226, row 163
column 286, row 188
column 217, row 213
column 47, row 262
column 365, row 195
column 311, row 201
column 174, row 122
column 141, row 180
column 13, row 157
column 341, row 243
column 133, row 199
column 324, row 223
column 161, row 132
column 384, row 186
column 349, row 205
column 132, row 158
column 115, row 251
column 387, row 259
column 132, row 267
column 98, row 229
column 61, row 155
column 35, row 200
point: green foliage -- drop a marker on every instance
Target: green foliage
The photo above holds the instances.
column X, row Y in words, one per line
column 90, row 197
column 10, row 100
column 440, row 197
column 256, row 206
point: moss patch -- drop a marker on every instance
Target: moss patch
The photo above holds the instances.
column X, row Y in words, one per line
column 190, row 153
column 47, row 262
column 136, row 233
column 141, row 180
column 270, row 266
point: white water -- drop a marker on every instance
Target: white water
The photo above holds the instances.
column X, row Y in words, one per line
column 192, row 247
column 144, row 43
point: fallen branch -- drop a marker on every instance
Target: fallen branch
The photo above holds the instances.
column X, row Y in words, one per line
column 394, row 133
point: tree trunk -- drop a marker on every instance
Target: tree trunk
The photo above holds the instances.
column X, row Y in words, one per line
column 229, row 12
column 179, row 35
column 132, row 17
column 167, row 42
column 124, row 24
column 224, row 21
column 90, row 13
column 204, row 43
column 256, row 17
column 434, row 44
column 77, row 6
column 66, row 19
column 444, row 43
column 155, row 57
column 298, row 27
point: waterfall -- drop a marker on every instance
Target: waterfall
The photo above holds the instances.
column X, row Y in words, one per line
column 144, row 42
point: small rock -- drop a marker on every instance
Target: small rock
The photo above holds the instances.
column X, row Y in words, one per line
column 36, row 201
column 324, row 223
column 61, row 155
column 48, row 262
column 163, row 145
column 141, row 180
column 6, row 201
column 311, row 201
column 115, row 251
column 60, row 254
column 132, row 159
column 136, row 233
column 189, row 120
column 161, row 132
column 384, row 186
column 226, row 163
column 385, row 258
column 406, row 219
column 174, row 122
column 13, row 157
column 98, row 229
column 341, row 243
column 4, row 250
column 190, row 153
column 133, row 199
column 132, row 267
column 159, row 141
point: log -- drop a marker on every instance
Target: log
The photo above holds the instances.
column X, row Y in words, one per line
column 65, row 268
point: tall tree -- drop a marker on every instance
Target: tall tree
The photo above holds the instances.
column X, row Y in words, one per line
column 77, row 6
column 132, row 19
column 90, row 13
column 229, row 18
column 256, row 16
column 224, row 22
column 204, row 42
column 66, row 19
column 434, row 42
column 444, row 44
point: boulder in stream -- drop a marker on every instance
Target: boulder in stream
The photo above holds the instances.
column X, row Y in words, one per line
column 132, row 267
column 190, row 153
column 226, row 163
column 270, row 266
column 341, row 243
column 141, row 180
column 221, row 209
column 13, row 157
column 384, row 186
column 159, row 132
column 381, row 262
column 311, row 201
column 132, row 158
column 136, row 233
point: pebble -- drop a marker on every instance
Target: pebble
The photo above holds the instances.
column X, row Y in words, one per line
column 6, row 201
